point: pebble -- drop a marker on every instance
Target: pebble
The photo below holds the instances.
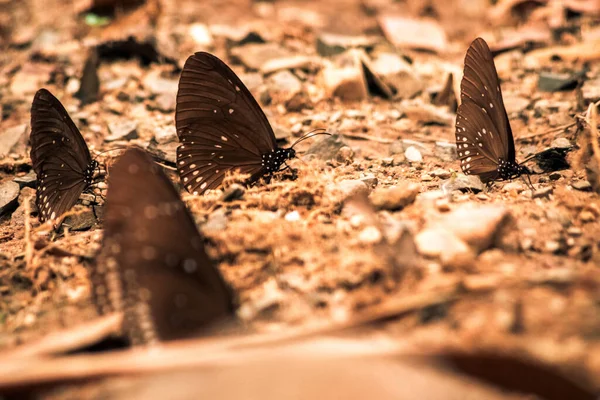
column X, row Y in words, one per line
column 447, row 247
column 352, row 187
column 165, row 134
column 554, row 176
column 552, row 246
column 283, row 85
column 426, row 178
column 398, row 73
column 477, row 226
column 28, row 180
column 233, row 192
column 464, row 183
column 387, row 162
column 293, row 216
column 416, row 110
column 217, row 221
column 413, row 154
column 201, row 35
column 345, row 155
column 561, row 143
column 574, row 231
column 587, row 216
column 395, row 197
column 347, row 83
column 441, row 173
column 255, row 55
column 370, row 235
column 165, row 102
column 446, row 151
column 83, row 220
column 328, row 147
column 9, row 193
column 370, row 180
column 582, row 185
column 122, row 130
column 330, row 44
column 10, row 137
column 513, row 186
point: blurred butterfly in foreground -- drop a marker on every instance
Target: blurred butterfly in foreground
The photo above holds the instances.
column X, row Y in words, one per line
column 222, row 128
column 484, row 139
column 152, row 264
column 60, row 157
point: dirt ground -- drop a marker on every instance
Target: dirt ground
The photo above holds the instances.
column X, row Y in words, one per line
column 512, row 270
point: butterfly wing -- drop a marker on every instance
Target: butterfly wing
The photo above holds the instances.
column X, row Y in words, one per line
column 483, row 133
column 59, row 155
column 220, row 125
column 152, row 264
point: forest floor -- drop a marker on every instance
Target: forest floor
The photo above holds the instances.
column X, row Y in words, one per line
column 512, row 268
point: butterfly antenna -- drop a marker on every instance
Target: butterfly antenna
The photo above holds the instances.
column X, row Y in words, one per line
column 316, row 132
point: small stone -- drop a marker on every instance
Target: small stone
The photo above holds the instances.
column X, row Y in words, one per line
column 397, row 73
column 443, row 205
column 441, row 173
column 387, row 162
column 165, row 103
column 345, row 155
column 28, row 180
column 9, row 193
column 255, row 55
column 543, row 192
column 551, row 246
column 477, row 226
column 370, row 235
column 426, row 178
column 587, row 216
column 582, row 185
column 328, row 147
column 406, row 32
column 233, row 192
column 217, row 222
column 446, row 151
column 370, row 180
column 83, row 220
column 574, row 231
column 515, row 104
column 513, row 186
column 293, row 216
column 413, row 154
column 554, row 176
column 11, row 137
column 122, row 130
column 283, row 85
column 482, row 196
column 330, row 44
column 347, row 83
column 417, row 110
column 158, row 85
column 352, row 187
column 165, row 134
column 561, row 143
column 526, row 244
column 464, row 183
column 295, row 62
column 395, row 197
column 450, row 250
column 201, row 35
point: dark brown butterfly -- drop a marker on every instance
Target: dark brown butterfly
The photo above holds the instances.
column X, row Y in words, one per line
column 221, row 127
column 60, row 157
column 152, row 264
column 484, row 139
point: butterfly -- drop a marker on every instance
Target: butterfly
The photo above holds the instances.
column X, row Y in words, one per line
column 484, row 139
column 152, row 265
column 60, row 157
column 222, row 128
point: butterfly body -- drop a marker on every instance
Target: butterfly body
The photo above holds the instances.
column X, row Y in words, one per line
column 221, row 128
column 484, row 138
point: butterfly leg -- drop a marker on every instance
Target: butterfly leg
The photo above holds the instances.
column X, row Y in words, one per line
column 294, row 172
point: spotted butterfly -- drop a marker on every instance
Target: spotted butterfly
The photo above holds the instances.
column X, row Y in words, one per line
column 484, row 139
column 221, row 127
column 60, row 157
column 152, row 265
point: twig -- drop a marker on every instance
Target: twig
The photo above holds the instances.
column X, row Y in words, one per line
column 553, row 130
column 359, row 136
